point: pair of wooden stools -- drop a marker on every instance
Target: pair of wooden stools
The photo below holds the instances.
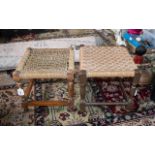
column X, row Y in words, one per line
column 95, row 62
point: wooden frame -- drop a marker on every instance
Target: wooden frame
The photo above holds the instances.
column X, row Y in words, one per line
column 100, row 62
column 83, row 82
column 68, row 75
column 27, row 91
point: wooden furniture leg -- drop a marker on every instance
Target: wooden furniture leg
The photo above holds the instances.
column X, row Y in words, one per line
column 70, row 79
column 135, row 82
column 47, row 103
column 131, row 106
column 27, row 93
column 83, row 81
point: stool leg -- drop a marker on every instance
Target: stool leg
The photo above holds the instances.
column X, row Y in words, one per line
column 135, row 82
column 70, row 78
column 27, row 93
column 132, row 106
column 83, row 81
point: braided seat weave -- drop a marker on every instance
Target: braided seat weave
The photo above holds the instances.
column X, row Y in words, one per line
column 106, row 61
column 46, row 63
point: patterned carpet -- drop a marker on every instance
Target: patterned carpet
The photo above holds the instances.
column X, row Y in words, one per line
column 11, row 112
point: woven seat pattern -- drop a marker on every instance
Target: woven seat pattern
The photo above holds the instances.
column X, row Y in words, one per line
column 106, row 61
column 46, row 63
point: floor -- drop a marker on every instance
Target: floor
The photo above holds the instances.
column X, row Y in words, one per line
column 11, row 112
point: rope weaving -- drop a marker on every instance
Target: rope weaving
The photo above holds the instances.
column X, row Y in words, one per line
column 46, row 63
column 107, row 61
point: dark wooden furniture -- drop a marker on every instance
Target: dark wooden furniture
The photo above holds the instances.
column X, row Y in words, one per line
column 106, row 62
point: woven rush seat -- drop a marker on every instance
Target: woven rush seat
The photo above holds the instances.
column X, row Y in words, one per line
column 107, row 61
column 45, row 63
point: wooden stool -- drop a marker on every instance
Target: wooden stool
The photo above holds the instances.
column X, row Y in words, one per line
column 106, row 62
column 46, row 64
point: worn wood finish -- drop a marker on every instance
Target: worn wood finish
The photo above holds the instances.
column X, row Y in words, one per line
column 27, row 93
column 46, row 103
column 106, row 103
column 135, row 82
column 69, row 102
column 29, row 88
column 16, row 76
column 83, row 81
column 70, row 79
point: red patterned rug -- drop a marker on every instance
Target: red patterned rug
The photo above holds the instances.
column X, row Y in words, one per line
column 11, row 112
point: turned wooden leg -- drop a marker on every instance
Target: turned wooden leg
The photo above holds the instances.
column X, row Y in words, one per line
column 27, row 93
column 70, row 79
column 135, row 82
column 132, row 106
column 83, row 81
column 16, row 76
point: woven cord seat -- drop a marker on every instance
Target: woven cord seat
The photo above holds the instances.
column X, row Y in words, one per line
column 105, row 62
column 46, row 64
